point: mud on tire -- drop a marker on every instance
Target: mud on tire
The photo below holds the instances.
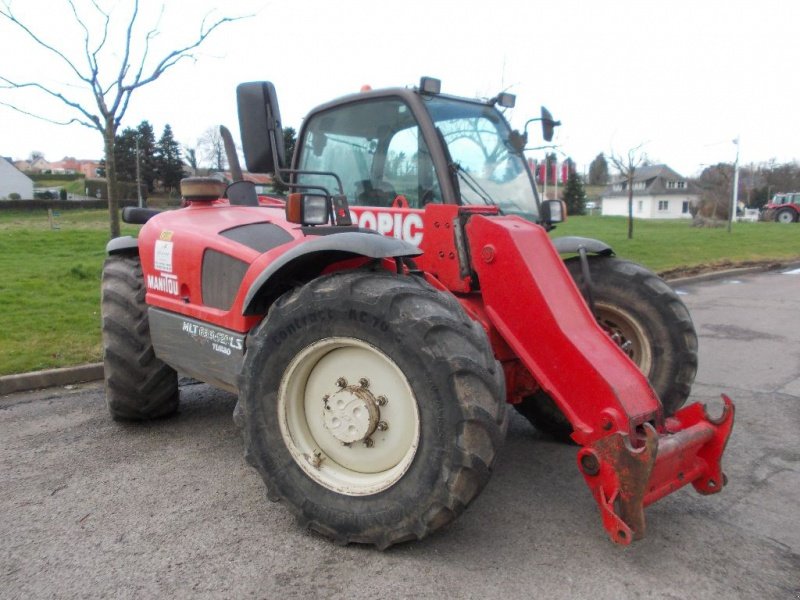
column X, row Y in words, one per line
column 435, row 384
column 138, row 385
column 638, row 307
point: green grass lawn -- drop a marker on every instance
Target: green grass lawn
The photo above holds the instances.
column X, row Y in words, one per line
column 670, row 244
column 50, row 288
column 50, row 278
column 77, row 186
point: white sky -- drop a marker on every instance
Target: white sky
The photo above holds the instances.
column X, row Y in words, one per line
column 684, row 77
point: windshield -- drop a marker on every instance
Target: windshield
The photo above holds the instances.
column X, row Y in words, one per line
column 489, row 170
column 377, row 150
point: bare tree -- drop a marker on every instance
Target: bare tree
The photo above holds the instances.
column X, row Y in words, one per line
column 626, row 166
column 212, row 148
column 110, row 83
column 190, row 157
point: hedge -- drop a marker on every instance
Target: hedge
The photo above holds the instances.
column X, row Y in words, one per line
column 55, row 176
column 59, row 204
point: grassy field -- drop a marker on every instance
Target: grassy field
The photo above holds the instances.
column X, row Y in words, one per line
column 50, row 278
column 77, row 186
column 667, row 245
column 50, row 288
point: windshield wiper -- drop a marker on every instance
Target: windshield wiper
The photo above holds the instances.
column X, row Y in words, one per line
column 474, row 185
column 462, row 174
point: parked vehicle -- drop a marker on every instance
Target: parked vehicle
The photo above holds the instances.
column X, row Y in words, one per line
column 376, row 324
column 783, row 208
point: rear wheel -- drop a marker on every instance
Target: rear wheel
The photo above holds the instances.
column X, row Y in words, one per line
column 372, row 405
column 651, row 324
column 785, row 215
column 138, row 385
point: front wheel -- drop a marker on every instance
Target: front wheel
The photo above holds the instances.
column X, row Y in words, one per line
column 650, row 323
column 785, row 215
column 372, row 405
column 139, row 386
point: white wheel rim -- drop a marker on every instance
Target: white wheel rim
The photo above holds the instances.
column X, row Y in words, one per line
column 626, row 330
column 341, row 432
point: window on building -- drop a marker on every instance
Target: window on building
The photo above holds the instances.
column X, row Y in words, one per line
column 639, row 206
column 663, row 205
column 685, row 207
column 676, row 185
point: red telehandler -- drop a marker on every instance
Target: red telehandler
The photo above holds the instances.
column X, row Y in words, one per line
column 377, row 322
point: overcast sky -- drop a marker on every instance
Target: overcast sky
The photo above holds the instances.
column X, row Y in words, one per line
column 683, row 77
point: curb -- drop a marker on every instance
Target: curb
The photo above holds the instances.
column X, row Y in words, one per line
column 712, row 275
column 23, row 382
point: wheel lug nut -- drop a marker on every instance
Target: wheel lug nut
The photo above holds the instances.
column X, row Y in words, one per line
column 315, row 459
column 369, row 443
column 382, row 400
column 341, row 382
column 383, row 425
column 363, row 382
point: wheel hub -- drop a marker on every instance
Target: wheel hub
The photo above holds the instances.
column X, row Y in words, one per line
column 351, row 414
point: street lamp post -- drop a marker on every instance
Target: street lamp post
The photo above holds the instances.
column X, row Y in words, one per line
column 735, row 194
column 138, row 176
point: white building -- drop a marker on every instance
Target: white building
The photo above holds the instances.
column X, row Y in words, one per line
column 658, row 193
column 14, row 181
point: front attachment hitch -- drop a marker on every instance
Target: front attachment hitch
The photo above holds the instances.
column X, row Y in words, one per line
column 624, row 477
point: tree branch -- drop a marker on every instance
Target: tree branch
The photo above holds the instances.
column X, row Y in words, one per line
column 123, row 69
column 47, row 120
column 173, row 57
column 58, row 95
column 6, row 12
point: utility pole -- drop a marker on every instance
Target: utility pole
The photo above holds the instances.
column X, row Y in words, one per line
column 544, row 185
column 138, row 176
column 735, row 194
column 556, row 174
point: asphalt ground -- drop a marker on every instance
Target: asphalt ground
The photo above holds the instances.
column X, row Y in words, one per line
column 92, row 508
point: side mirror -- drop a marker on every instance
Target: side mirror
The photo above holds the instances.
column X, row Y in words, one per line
column 548, row 125
column 554, row 211
column 260, row 127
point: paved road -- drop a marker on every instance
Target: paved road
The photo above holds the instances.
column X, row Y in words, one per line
column 91, row 508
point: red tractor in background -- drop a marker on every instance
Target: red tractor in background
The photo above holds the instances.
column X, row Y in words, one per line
column 783, row 208
column 377, row 322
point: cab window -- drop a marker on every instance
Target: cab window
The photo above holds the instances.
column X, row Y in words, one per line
column 377, row 150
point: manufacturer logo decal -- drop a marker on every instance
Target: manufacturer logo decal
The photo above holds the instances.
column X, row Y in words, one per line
column 163, row 282
column 220, row 341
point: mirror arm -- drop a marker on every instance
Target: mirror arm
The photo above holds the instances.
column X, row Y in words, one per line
column 280, row 171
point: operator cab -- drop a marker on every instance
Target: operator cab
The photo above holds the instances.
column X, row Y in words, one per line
column 423, row 146
column 407, row 148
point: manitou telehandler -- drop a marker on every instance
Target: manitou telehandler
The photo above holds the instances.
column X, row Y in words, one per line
column 377, row 322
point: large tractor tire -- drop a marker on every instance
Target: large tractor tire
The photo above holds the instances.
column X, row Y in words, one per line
column 649, row 322
column 372, row 406
column 786, row 215
column 138, row 385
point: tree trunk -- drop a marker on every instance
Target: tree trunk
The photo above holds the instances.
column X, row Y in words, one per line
column 630, row 207
column 111, row 179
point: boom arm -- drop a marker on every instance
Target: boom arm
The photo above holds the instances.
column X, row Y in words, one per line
column 631, row 455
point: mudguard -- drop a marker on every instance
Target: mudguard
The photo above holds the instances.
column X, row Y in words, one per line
column 321, row 252
column 573, row 244
column 123, row 245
